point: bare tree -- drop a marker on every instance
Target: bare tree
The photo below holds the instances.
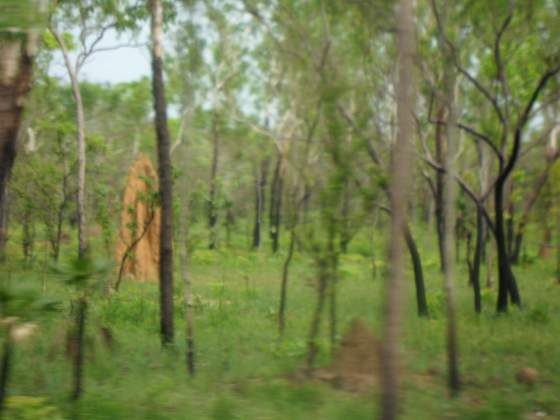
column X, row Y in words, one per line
column 165, row 174
column 73, row 72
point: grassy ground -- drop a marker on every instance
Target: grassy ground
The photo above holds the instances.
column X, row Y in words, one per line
column 241, row 366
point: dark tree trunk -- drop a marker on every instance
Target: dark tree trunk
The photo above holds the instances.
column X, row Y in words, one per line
column 260, row 187
column 418, row 273
column 438, row 196
column 78, row 361
column 345, row 234
column 16, row 65
column 212, row 207
column 165, row 172
column 507, row 285
column 510, row 222
column 475, row 272
column 276, row 204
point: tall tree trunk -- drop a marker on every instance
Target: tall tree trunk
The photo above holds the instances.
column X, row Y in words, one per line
column 81, row 142
column 507, row 285
column 165, row 172
column 276, row 203
column 260, row 187
column 16, row 65
column 475, row 273
column 439, row 189
column 421, row 302
column 212, row 207
column 399, row 198
column 450, row 222
column 81, row 205
column 510, row 225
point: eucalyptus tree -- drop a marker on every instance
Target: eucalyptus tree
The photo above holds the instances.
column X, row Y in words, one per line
column 498, row 83
column 164, row 173
column 92, row 20
column 399, row 197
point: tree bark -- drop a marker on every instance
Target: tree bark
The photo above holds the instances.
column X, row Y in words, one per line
column 16, row 68
column 260, row 187
column 421, row 302
column 507, row 285
column 399, row 198
column 475, row 273
column 450, row 223
column 81, row 142
column 165, row 173
column 439, row 189
column 276, row 203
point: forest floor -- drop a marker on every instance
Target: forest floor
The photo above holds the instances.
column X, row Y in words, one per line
column 245, row 372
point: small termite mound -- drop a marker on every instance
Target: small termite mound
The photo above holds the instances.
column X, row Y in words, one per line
column 355, row 365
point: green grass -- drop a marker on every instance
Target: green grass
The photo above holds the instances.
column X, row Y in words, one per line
column 242, row 368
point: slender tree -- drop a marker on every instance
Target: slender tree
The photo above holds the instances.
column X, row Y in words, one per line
column 399, row 198
column 449, row 220
column 165, row 174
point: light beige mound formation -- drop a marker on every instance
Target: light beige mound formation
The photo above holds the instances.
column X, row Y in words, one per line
column 141, row 220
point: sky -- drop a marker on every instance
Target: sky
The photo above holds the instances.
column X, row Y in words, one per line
column 122, row 65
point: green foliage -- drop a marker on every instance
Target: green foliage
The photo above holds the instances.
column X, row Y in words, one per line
column 18, row 16
column 85, row 275
column 23, row 301
column 19, row 407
